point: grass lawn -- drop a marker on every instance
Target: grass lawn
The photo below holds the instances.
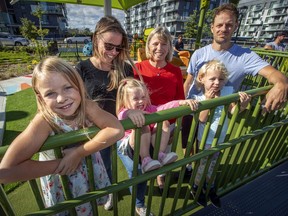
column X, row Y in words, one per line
column 20, row 108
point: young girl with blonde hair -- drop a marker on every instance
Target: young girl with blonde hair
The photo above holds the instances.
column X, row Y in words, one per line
column 63, row 106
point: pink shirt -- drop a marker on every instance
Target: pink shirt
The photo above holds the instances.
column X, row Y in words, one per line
column 150, row 109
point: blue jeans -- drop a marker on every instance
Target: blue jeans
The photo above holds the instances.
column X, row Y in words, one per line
column 141, row 188
column 106, row 157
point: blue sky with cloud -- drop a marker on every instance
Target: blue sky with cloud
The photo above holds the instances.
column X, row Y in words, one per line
column 84, row 16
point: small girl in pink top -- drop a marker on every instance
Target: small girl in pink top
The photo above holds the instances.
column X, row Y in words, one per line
column 133, row 102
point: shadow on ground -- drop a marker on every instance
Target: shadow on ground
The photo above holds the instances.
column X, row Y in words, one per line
column 15, row 115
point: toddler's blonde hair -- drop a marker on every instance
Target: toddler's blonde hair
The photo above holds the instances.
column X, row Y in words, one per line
column 126, row 85
column 213, row 65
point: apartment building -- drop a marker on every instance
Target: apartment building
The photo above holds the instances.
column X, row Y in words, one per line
column 54, row 18
column 170, row 13
column 262, row 19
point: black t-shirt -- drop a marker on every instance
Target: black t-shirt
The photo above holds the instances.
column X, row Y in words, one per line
column 179, row 45
column 96, row 82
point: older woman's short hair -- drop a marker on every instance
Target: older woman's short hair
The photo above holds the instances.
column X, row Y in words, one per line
column 163, row 35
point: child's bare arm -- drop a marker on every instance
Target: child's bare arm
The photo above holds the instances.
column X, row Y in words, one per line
column 203, row 115
column 111, row 130
column 244, row 101
column 137, row 117
column 17, row 164
column 190, row 102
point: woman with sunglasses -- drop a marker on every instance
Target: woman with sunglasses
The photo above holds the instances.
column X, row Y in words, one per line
column 103, row 71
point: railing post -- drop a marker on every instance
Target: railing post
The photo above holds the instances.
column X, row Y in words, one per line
column 203, row 7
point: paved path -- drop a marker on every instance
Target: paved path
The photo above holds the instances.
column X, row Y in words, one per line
column 8, row 87
column 16, row 84
column 267, row 195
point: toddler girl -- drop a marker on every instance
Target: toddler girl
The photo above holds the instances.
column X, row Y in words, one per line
column 211, row 80
column 133, row 102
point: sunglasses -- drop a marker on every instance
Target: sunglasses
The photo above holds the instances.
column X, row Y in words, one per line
column 109, row 47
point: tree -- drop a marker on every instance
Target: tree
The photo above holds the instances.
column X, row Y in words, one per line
column 31, row 32
column 28, row 29
column 207, row 24
column 39, row 13
column 192, row 25
column 74, row 31
column 87, row 31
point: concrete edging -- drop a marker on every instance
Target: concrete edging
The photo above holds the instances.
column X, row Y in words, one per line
column 2, row 115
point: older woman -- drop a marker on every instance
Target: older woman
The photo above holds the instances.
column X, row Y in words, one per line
column 164, row 80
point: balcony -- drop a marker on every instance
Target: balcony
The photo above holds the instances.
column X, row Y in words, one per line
column 275, row 13
column 252, row 29
column 257, row 8
column 170, row 8
column 169, row 19
column 271, row 28
column 267, row 36
column 149, row 14
column 142, row 24
column 171, row 29
column 149, row 22
column 275, row 21
column 154, row 4
column 256, row 22
column 280, row 5
column 257, row 16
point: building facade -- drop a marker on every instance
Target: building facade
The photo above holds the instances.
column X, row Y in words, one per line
column 262, row 19
column 170, row 13
column 259, row 20
column 54, row 17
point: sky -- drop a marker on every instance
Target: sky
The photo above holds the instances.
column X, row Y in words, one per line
column 83, row 16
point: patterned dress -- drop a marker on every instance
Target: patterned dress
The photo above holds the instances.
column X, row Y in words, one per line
column 78, row 181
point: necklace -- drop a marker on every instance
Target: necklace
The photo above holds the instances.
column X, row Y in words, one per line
column 158, row 66
column 159, row 71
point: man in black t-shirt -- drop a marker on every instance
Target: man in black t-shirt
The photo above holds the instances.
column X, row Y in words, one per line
column 178, row 46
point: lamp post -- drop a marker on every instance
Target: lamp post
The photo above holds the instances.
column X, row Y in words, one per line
column 242, row 11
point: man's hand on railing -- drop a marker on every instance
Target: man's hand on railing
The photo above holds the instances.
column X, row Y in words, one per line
column 277, row 95
column 276, row 98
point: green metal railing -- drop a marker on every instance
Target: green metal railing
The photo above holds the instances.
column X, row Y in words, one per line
column 254, row 144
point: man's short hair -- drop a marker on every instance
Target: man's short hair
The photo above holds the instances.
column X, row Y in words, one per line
column 229, row 7
column 281, row 33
